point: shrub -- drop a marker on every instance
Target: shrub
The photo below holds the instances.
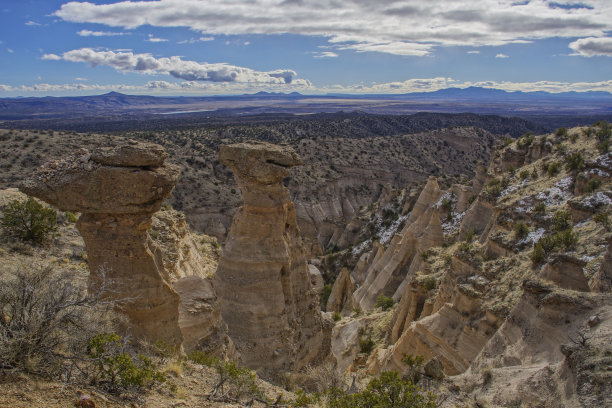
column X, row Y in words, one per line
column 538, row 255
column 28, row 220
column 534, row 174
column 384, row 302
column 470, row 234
column 603, row 147
column 561, row 132
column 566, row 239
column 574, row 161
column 241, row 381
column 573, row 137
column 540, row 208
column 337, row 317
column 524, row 174
column 414, row 365
column 47, row 320
column 465, row 247
column 553, row 169
column 603, row 219
column 117, row 368
column 562, row 220
column 592, row 185
column 525, row 141
column 71, row 217
column 388, row 390
column 366, row 345
column 521, row 230
column 429, row 283
column 325, row 294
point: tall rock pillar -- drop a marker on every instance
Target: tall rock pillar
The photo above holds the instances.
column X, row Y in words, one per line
column 266, row 298
column 117, row 190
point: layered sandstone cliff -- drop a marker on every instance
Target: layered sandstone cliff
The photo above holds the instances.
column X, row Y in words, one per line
column 263, row 281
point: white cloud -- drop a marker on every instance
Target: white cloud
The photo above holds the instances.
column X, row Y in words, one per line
column 325, row 54
column 410, row 27
column 154, row 39
column 592, row 46
column 89, row 33
column 178, row 68
column 32, row 23
column 410, row 85
column 9, row 50
column 80, row 79
column 195, row 40
column 51, row 57
column 500, row 55
column 473, row 52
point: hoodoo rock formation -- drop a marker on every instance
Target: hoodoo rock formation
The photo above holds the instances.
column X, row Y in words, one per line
column 263, row 282
column 391, row 272
column 117, row 190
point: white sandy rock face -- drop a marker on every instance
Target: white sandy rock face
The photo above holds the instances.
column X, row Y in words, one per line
column 117, row 199
column 263, row 281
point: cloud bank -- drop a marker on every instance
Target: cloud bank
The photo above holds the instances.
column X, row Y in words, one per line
column 409, row 27
column 592, row 46
column 127, row 61
column 218, row 88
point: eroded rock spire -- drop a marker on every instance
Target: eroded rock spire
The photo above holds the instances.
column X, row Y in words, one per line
column 267, row 301
column 117, row 190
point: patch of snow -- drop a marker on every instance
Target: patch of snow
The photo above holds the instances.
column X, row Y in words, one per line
column 450, row 227
column 598, row 172
column 587, row 258
column 564, row 184
column 558, row 194
column 480, row 280
column 361, row 247
column 513, row 188
column 387, row 234
column 605, row 161
column 533, row 236
column 522, row 207
column 597, row 200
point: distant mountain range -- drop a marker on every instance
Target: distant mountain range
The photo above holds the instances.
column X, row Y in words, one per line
column 118, row 106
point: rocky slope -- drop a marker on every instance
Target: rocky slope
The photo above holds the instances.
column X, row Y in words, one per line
column 504, row 292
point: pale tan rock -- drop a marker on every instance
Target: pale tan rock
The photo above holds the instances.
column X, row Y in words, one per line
column 262, row 282
column 567, row 272
column 131, row 154
column 181, row 252
column 365, row 262
column 409, row 309
column 117, row 204
column 430, row 194
column 477, row 218
column 341, row 296
column 200, row 318
column 602, row 279
column 316, row 279
column 389, row 275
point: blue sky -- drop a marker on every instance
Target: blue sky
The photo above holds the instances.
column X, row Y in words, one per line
column 204, row 47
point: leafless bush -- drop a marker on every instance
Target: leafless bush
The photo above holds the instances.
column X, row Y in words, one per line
column 315, row 379
column 47, row 318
